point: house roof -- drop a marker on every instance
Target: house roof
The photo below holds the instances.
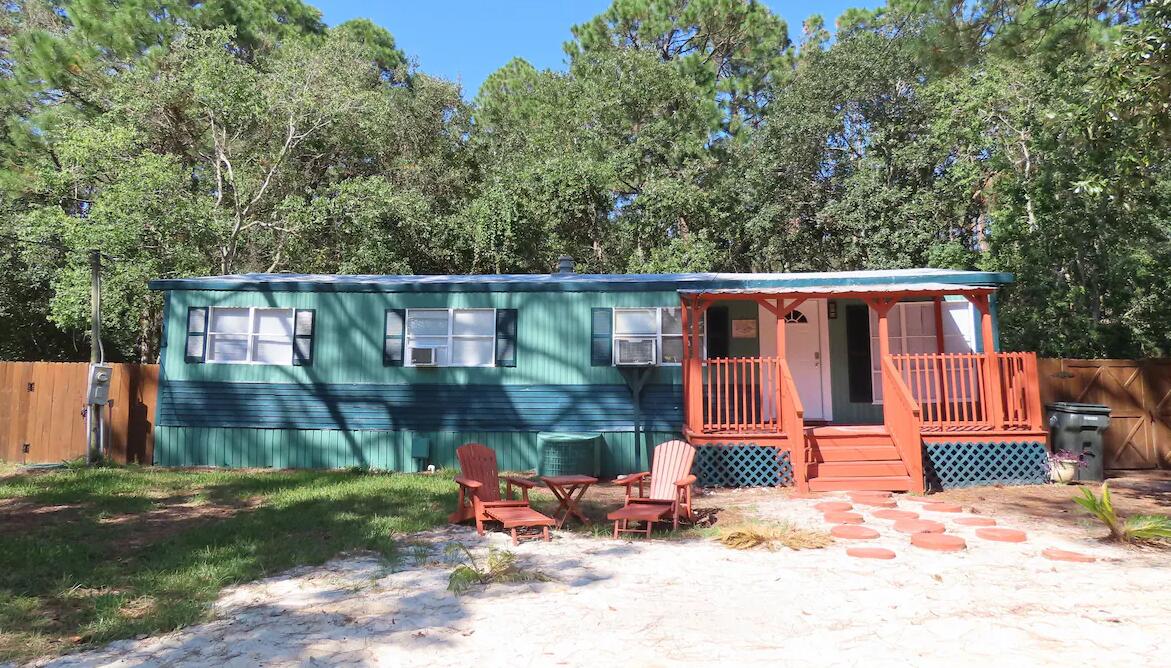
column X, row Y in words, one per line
column 573, row 282
column 902, row 289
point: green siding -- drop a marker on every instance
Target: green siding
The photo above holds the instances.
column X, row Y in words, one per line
column 846, row 411
column 292, row 448
column 553, row 339
column 740, row 309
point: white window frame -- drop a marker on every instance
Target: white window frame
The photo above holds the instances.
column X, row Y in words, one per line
column 451, row 337
column 657, row 336
column 901, row 308
column 252, row 336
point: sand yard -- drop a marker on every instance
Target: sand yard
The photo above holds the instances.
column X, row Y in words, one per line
column 694, row 601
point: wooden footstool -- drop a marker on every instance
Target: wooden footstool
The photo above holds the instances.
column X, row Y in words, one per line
column 521, row 516
column 639, row 512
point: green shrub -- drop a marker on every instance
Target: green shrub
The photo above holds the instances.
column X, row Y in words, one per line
column 1134, row 529
column 501, row 567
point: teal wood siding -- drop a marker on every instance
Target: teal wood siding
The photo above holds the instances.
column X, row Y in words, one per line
column 390, row 450
column 846, row 411
column 348, row 409
column 553, row 337
column 416, row 406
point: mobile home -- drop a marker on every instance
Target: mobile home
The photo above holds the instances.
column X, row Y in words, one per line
column 844, row 380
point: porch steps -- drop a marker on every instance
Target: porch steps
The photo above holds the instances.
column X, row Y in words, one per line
column 853, row 453
column 855, row 457
column 900, row 483
column 858, row 469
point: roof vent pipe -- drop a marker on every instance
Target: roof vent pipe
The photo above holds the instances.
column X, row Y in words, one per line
column 565, row 264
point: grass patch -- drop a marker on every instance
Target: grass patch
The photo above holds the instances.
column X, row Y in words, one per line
column 770, row 536
column 93, row 555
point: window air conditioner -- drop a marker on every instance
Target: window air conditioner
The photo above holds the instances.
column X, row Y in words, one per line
column 634, row 352
column 422, row 356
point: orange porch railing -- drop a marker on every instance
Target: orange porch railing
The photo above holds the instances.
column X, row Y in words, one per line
column 744, row 394
column 903, row 419
column 973, row 391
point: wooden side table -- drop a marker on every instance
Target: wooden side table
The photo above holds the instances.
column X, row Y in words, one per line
column 569, row 489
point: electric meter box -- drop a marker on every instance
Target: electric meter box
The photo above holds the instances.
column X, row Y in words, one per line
column 100, row 376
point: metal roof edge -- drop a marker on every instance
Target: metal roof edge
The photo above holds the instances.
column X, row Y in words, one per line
column 581, row 282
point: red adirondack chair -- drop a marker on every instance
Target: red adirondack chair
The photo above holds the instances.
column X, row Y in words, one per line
column 479, row 494
column 670, row 490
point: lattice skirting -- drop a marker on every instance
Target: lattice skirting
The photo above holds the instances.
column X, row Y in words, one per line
column 973, row 464
column 742, row 466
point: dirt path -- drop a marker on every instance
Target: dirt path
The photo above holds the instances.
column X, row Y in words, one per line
column 696, row 602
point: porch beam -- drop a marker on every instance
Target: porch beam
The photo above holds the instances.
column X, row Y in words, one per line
column 861, row 293
column 781, row 310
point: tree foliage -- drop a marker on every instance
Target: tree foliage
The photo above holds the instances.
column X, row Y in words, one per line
column 684, row 135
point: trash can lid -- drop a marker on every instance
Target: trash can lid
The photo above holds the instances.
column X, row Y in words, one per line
column 1074, row 407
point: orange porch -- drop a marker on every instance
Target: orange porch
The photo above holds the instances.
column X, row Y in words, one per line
column 927, row 398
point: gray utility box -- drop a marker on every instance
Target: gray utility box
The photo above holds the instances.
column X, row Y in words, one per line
column 98, row 390
column 1078, row 428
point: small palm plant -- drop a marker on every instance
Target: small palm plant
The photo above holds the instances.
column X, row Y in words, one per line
column 501, row 567
column 1133, row 529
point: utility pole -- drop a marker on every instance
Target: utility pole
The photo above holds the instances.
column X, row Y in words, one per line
column 95, row 353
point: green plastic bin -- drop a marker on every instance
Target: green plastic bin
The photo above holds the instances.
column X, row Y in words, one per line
column 1078, row 428
column 569, row 453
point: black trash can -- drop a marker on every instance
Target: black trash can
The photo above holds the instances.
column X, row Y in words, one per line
column 1078, row 428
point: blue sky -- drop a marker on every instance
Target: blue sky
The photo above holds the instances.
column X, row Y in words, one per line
column 465, row 41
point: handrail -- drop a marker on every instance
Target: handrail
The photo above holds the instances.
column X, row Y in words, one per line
column 741, row 395
column 902, row 417
column 973, row 391
column 793, row 422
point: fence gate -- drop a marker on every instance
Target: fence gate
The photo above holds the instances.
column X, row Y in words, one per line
column 1138, row 393
column 42, row 411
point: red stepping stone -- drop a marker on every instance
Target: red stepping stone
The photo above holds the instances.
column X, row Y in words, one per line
column 833, row 506
column 976, row 521
column 944, row 507
column 889, row 514
column 853, row 532
column 940, row 542
column 1055, row 554
column 842, row 517
column 918, row 526
column 871, row 494
column 870, row 552
column 1002, row 535
column 922, row 499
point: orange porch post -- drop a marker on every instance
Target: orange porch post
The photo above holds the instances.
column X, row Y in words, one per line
column 994, row 393
column 939, row 340
column 882, row 307
column 692, row 366
column 787, row 401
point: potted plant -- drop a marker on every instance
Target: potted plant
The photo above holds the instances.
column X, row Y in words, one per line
column 1063, row 466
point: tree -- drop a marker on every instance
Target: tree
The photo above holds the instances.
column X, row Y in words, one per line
column 735, row 50
column 213, row 160
column 604, row 162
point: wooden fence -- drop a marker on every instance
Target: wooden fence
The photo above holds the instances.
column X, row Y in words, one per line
column 42, row 412
column 1138, row 393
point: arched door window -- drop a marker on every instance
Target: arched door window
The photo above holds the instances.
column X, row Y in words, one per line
column 797, row 317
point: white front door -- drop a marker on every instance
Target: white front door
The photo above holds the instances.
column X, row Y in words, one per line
column 806, row 352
